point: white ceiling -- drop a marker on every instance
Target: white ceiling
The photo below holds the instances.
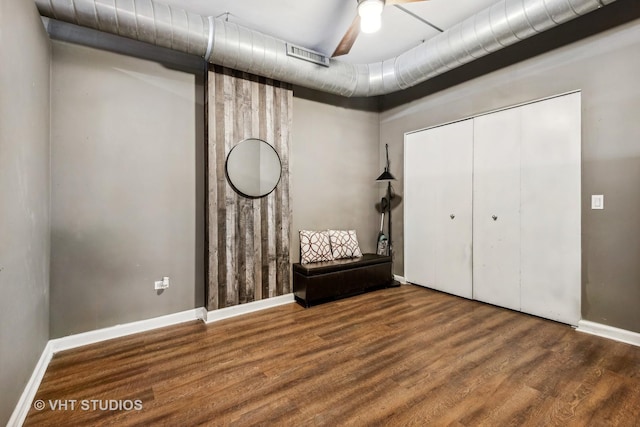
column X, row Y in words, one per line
column 320, row 24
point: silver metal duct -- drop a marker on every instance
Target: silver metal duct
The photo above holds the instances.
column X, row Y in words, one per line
column 233, row 46
column 143, row 20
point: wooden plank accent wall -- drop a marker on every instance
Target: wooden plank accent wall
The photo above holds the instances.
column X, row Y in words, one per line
column 248, row 239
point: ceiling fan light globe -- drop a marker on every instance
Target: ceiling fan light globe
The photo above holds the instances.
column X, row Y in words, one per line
column 370, row 12
column 370, row 25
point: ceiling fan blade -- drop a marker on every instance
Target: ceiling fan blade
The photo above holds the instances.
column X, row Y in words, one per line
column 349, row 38
column 392, row 2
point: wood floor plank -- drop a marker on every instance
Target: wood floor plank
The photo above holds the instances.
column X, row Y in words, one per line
column 399, row 356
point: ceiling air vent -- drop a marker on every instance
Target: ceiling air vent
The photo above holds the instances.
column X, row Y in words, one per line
column 307, row 55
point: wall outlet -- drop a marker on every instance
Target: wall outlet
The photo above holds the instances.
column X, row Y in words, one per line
column 161, row 284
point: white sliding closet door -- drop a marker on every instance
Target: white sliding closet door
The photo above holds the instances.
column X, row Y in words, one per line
column 454, row 209
column 510, row 181
column 550, row 209
column 421, row 180
column 438, row 214
column 496, row 208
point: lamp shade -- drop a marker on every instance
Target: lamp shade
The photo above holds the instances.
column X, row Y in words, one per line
column 386, row 176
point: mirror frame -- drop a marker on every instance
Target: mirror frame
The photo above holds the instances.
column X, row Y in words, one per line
column 230, row 181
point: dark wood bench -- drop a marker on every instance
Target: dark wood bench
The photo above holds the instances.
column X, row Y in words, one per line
column 323, row 281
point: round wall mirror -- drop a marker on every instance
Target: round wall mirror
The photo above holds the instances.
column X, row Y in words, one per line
column 253, row 168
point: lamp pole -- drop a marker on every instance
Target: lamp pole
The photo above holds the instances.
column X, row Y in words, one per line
column 388, row 177
column 389, row 220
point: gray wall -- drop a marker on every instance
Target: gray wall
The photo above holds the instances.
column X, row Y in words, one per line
column 606, row 68
column 24, row 197
column 334, row 164
column 127, row 189
column 127, row 197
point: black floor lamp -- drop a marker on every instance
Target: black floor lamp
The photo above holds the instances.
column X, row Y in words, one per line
column 387, row 177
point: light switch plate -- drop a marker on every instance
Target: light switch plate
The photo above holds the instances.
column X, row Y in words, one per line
column 597, row 201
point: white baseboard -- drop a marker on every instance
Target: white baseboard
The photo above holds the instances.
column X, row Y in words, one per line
column 610, row 332
column 24, row 404
column 400, row 279
column 91, row 337
column 250, row 307
column 77, row 340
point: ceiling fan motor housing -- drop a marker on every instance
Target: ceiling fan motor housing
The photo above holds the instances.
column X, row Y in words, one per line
column 376, row 1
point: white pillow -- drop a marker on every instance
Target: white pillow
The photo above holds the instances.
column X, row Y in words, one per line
column 344, row 244
column 314, row 246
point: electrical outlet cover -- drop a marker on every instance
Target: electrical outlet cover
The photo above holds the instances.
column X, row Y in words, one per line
column 597, row 201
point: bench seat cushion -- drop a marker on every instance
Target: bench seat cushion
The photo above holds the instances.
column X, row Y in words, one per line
column 324, row 267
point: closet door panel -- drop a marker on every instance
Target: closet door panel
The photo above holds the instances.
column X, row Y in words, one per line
column 454, row 208
column 438, row 185
column 421, row 177
column 496, row 209
column 550, row 205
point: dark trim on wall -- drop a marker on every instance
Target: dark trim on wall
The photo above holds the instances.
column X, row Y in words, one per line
column 172, row 59
column 371, row 104
column 617, row 13
column 614, row 14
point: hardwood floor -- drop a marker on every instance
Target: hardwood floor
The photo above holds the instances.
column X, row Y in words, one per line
column 400, row 356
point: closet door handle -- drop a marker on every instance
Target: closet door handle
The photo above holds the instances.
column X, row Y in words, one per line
column 452, row 216
column 495, row 218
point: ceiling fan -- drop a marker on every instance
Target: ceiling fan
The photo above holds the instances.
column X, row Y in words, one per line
column 368, row 20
